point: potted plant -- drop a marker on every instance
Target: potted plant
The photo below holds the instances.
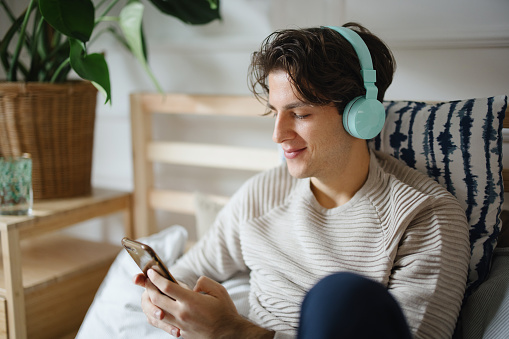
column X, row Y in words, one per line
column 38, row 51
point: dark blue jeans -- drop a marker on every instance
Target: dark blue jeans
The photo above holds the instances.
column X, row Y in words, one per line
column 347, row 305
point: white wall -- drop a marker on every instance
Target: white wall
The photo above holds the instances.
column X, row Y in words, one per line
column 451, row 49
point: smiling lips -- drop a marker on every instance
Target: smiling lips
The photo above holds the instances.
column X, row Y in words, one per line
column 293, row 153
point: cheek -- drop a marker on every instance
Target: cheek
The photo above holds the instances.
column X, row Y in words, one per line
column 337, row 143
column 326, row 135
column 332, row 134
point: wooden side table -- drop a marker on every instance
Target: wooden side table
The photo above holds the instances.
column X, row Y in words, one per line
column 48, row 280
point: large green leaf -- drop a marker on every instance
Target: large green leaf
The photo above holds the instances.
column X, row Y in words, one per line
column 91, row 67
column 130, row 22
column 74, row 18
column 195, row 12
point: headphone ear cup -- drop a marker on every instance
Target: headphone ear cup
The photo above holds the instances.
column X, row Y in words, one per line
column 364, row 118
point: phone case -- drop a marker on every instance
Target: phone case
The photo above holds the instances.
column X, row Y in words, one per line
column 146, row 258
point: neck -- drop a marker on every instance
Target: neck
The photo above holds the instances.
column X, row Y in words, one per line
column 340, row 188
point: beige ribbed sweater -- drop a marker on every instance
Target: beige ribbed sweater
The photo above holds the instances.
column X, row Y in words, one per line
column 401, row 229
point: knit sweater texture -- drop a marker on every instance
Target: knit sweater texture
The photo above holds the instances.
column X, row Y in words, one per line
column 401, row 229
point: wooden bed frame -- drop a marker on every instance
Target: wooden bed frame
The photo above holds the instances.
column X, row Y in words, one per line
column 147, row 151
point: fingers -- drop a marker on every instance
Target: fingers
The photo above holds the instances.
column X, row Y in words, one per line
column 160, row 294
column 211, row 310
column 149, row 308
column 167, row 287
column 184, row 285
column 139, row 279
column 156, row 316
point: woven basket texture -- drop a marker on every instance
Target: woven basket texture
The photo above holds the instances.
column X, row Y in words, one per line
column 54, row 123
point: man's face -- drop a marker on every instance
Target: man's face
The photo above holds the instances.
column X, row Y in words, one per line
column 313, row 139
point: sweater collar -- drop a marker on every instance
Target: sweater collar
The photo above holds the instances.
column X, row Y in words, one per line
column 305, row 189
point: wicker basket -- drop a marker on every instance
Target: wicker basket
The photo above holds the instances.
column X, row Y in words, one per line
column 55, row 124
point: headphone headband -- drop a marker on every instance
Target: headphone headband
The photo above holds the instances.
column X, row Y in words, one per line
column 364, row 116
column 367, row 72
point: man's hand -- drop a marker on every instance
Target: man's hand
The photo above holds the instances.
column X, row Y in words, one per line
column 155, row 316
column 206, row 312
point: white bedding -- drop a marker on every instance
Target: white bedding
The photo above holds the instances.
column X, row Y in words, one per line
column 116, row 311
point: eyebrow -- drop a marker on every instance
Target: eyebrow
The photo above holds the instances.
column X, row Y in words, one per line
column 293, row 105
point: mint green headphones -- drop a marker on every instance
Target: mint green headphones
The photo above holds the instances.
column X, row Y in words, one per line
column 364, row 116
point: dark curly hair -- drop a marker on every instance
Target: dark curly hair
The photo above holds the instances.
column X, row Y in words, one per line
column 322, row 65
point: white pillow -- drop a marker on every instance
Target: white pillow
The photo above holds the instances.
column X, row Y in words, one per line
column 116, row 310
column 206, row 210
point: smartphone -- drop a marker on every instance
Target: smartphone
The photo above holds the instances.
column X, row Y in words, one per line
column 146, row 258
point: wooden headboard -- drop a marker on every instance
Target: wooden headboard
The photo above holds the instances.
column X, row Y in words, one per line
column 147, row 151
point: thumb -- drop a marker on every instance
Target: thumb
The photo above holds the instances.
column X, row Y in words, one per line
column 206, row 285
column 217, row 291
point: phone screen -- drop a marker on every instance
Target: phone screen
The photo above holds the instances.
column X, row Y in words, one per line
column 146, row 258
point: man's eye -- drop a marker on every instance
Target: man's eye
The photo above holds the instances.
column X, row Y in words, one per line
column 301, row 116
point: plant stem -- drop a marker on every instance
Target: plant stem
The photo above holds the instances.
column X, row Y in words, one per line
column 153, row 78
column 36, row 57
column 8, row 11
column 112, row 4
column 59, row 69
column 100, row 3
column 108, row 18
column 11, row 76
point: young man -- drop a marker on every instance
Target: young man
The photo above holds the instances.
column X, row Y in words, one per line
column 385, row 247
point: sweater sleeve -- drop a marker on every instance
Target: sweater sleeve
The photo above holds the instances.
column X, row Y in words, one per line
column 282, row 335
column 430, row 268
column 218, row 254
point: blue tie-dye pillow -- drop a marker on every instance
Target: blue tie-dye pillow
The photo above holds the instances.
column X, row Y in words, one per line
column 459, row 144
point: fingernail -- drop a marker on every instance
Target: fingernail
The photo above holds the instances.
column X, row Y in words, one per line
column 174, row 332
column 150, row 273
column 158, row 314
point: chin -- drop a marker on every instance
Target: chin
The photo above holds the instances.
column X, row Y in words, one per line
column 298, row 173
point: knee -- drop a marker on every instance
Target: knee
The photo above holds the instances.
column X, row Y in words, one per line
column 345, row 287
column 353, row 306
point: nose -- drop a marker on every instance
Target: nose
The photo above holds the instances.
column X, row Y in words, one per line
column 282, row 129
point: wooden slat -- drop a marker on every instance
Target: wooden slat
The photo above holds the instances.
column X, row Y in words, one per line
column 201, row 104
column 60, row 308
column 216, row 156
column 3, row 318
column 11, row 257
column 177, row 201
column 55, row 256
column 50, row 212
column 144, row 218
column 50, row 215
